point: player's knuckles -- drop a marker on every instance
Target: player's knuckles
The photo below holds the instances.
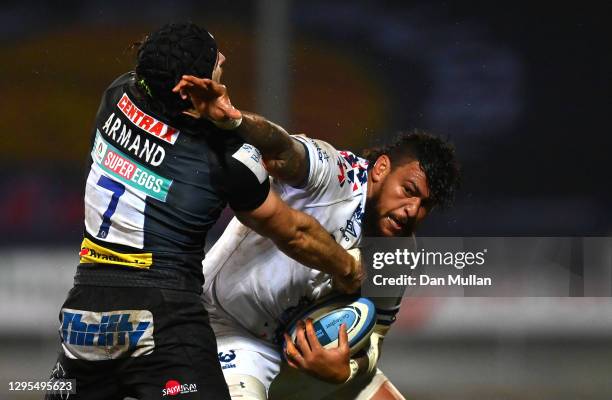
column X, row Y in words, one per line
column 311, row 358
column 316, row 355
column 291, row 349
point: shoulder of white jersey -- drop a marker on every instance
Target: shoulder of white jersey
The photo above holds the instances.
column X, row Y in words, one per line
column 332, row 170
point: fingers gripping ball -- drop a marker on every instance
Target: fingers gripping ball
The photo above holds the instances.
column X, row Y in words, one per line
column 358, row 313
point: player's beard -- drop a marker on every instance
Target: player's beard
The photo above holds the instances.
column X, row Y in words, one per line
column 372, row 221
column 370, row 218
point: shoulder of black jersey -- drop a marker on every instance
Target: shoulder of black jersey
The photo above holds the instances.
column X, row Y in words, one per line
column 122, row 80
column 126, row 83
column 118, row 87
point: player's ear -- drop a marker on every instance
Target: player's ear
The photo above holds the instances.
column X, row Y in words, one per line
column 381, row 168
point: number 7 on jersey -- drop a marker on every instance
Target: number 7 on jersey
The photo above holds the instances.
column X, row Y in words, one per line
column 118, row 189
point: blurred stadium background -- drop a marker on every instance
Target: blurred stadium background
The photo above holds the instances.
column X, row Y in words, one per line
column 521, row 90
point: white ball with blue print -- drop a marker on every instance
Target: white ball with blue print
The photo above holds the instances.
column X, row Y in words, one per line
column 358, row 313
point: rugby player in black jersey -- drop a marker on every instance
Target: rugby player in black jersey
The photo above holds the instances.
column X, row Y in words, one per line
column 134, row 323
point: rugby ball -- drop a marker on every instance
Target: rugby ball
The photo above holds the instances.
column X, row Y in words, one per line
column 359, row 315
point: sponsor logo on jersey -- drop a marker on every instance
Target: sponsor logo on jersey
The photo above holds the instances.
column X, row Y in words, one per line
column 352, row 229
column 174, row 388
column 321, row 154
column 93, row 253
column 226, row 359
column 143, row 148
column 146, row 122
column 106, row 335
column 120, row 166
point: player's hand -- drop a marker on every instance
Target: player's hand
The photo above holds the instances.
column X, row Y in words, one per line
column 209, row 99
column 352, row 281
column 307, row 354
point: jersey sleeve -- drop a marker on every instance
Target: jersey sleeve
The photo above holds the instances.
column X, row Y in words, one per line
column 332, row 174
column 244, row 182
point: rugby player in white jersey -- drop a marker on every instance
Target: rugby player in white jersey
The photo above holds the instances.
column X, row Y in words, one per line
column 252, row 288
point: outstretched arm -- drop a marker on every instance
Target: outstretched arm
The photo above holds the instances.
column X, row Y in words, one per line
column 285, row 157
column 302, row 238
column 295, row 233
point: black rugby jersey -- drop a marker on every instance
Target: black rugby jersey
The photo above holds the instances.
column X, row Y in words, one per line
column 155, row 188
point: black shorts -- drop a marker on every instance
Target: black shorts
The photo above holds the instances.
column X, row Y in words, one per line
column 145, row 343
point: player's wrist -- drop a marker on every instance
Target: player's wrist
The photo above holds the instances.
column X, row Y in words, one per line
column 228, row 124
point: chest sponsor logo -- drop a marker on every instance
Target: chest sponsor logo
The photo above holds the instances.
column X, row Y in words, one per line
column 106, row 335
column 92, row 253
column 352, row 229
column 146, row 122
column 120, row 166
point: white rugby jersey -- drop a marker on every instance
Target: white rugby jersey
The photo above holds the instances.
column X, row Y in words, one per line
column 249, row 283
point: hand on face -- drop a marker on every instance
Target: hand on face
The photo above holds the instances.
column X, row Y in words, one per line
column 307, row 354
column 209, row 99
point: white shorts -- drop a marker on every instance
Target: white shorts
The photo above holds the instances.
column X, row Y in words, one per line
column 239, row 355
column 242, row 356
